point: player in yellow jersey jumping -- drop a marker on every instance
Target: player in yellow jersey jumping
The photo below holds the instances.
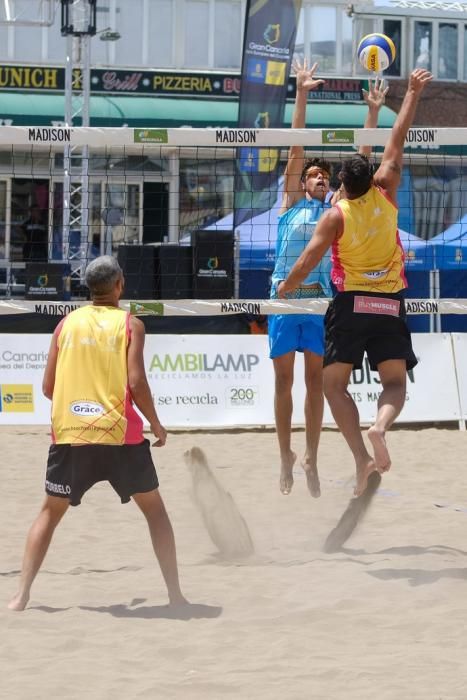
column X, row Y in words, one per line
column 367, row 313
column 94, row 373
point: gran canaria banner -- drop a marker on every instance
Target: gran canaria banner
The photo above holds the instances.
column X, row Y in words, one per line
column 269, row 40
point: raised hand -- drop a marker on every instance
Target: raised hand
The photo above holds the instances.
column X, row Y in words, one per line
column 418, row 79
column 305, row 76
column 375, row 96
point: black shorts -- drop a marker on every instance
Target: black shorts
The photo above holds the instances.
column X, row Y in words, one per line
column 73, row 470
column 359, row 322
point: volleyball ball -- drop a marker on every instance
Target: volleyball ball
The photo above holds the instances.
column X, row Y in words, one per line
column 376, row 52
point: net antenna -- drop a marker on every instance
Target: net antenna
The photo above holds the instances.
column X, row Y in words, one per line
column 34, row 13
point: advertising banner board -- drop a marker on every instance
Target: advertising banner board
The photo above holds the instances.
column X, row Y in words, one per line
column 269, row 41
column 204, row 381
column 459, row 341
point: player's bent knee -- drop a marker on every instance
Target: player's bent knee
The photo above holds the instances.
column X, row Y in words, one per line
column 149, row 502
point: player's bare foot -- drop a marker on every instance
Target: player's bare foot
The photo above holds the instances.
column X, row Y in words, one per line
column 364, row 469
column 380, row 450
column 178, row 601
column 19, row 602
column 312, row 478
column 286, row 478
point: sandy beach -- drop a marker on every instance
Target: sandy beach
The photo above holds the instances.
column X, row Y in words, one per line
column 383, row 618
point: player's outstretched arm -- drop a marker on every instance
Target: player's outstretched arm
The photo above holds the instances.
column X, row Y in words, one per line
column 138, row 383
column 389, row 172
column 374, row 98
column 306, row 82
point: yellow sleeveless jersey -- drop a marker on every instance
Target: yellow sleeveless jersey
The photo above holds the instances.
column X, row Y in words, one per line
column 368, row 256
column 91, row 401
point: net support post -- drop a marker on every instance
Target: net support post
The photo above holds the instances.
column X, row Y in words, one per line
column 174, row 197
column 78, row 29
column 236, row 265
column 434, row 293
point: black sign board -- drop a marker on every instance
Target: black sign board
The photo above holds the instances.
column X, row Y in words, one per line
column 159, row 82
column 47, row 281
column 213, row 262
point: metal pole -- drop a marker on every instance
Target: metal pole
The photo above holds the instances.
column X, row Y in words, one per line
column 236, row 265
column 67, row 150
column 78, row 25
column 86, row 78
column 174, row 201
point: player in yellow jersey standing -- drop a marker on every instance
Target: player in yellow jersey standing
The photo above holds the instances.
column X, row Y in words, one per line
column 367, row 313
column 94, row 374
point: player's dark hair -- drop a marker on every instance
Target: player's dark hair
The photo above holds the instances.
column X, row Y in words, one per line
column 320, row 163
column 357, row 175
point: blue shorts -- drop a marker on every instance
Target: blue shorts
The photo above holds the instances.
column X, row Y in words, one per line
column 292, row 332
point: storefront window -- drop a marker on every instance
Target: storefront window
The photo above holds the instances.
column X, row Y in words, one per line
column 422, row 45
column 120, row 215
column 160, row 43
column 447, row 51
column 347, row 47
column 323, row 37
column 129, row 24
column 363, row 26
column 197, row 34
column 465, row 52
column 227, row 33
column 299, row 50
column 206, row 193
column 2, row 218
column 393, row 29
column 4, row 43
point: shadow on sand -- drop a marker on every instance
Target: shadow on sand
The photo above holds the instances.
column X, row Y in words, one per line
column 419, row 577
column 191, row 611
column 408, row 550
column 352, row 516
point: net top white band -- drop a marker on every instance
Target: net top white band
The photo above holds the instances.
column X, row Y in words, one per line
column 221, row 307
column 59, row 136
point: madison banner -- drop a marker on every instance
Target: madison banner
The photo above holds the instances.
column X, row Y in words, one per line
column 269, row 40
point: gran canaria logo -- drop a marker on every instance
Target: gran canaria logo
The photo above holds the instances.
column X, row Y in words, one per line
column 262, row 120
column 272, row 33
column 213, row 263
column 42, row 280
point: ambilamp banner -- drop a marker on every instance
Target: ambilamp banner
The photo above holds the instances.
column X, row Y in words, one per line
column 269, row 40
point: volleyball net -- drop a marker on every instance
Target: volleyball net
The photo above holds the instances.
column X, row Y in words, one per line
column 191, row 215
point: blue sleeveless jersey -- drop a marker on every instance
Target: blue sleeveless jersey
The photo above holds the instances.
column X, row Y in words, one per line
column 295, row 229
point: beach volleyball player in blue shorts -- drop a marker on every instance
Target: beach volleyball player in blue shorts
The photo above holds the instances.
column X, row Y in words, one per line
column 306, row 197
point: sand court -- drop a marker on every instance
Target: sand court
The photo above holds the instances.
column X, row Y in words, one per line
column 383, row 618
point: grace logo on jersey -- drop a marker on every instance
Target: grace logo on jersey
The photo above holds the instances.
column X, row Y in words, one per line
column 86, row 409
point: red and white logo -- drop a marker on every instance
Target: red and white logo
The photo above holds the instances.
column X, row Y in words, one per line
column 376, row 305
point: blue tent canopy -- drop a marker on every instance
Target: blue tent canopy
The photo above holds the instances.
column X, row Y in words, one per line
column 451, row 255
column 453, row 232
column 419, row 254
column 258, row 241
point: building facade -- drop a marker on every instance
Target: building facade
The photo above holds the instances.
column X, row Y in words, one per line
column 177, row 63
